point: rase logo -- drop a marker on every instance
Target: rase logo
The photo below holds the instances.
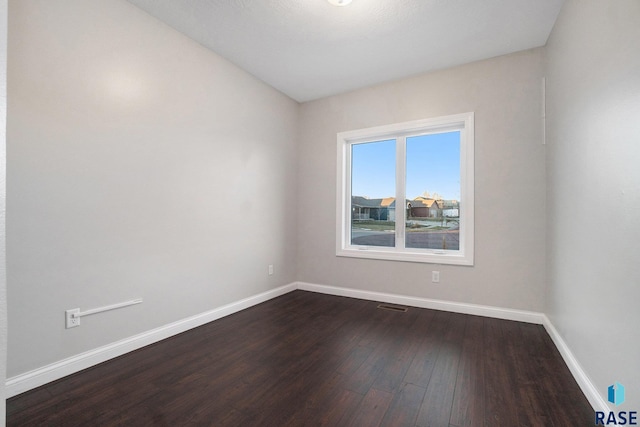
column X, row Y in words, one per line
column 615, row 395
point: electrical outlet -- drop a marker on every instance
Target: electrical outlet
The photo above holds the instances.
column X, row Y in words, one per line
column 72, row 322
column 270, row 269
column 435, row 276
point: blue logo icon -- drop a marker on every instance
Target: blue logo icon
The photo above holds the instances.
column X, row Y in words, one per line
column 616, row 393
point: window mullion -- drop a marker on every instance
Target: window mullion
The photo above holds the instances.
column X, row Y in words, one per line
column 401, row 178
column 346, row 189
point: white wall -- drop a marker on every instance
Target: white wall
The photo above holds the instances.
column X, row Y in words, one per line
column 140, row 164
column 3, row 158
column 593, row 174
column 505, row 94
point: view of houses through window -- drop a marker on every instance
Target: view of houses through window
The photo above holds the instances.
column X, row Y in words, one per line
column 431, row 199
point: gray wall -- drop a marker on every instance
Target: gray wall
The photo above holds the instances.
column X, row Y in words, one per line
column 131, row 152
column 142, row 165
column 593, row 159
column 3, row 163
column 505, row 94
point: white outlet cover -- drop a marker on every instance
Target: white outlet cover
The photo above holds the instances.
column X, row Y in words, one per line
column 72, row 322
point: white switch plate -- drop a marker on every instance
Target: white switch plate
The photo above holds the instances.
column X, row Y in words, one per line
column 270, row 269
column 435, row 276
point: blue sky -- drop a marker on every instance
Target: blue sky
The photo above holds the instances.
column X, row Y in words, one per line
column 433, row 165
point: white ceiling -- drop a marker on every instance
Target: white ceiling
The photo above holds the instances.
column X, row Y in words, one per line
column 309, row 49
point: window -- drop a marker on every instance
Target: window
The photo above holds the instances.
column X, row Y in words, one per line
column 405, row 191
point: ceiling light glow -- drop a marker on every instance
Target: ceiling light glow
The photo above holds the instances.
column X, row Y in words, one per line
column 339, row 2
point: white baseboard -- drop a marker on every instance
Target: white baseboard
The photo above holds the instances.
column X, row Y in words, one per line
column 37, row 377
column 455, row 307
column 60, row 369
column 581, row 377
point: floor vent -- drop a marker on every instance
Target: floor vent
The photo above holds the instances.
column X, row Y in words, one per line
column 392, row 308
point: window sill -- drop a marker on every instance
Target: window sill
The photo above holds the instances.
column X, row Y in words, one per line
column 429, row 257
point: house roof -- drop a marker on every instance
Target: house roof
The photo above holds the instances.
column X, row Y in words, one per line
column 423, row 202
column 390, row 202
column 363, row 202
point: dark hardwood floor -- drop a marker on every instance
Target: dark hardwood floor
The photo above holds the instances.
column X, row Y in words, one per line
column 312, row 359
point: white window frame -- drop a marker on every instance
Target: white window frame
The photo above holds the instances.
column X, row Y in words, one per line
column 400, row 131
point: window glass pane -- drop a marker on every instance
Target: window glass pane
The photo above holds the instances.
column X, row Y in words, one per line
column 373, row 187
column 433, row 191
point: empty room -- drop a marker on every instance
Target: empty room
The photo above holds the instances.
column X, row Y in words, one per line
column 320, row 212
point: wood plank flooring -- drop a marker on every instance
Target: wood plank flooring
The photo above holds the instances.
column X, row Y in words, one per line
column 307, row 359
